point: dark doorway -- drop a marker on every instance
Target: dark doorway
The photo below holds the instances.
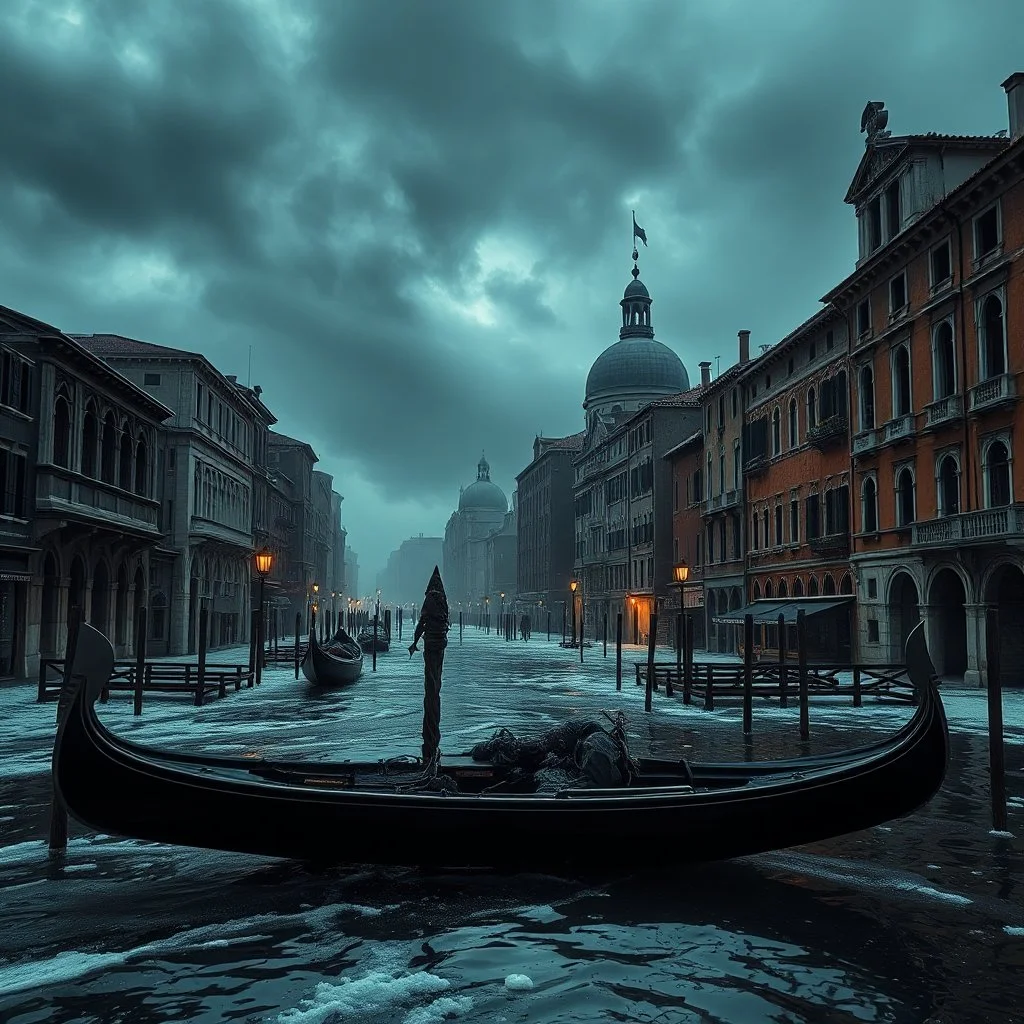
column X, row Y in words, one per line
column 949, row 635
column 1006, row 594
column 903, row 614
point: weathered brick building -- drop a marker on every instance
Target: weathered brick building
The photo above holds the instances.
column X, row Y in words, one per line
column 937, row 348
column 686, row 461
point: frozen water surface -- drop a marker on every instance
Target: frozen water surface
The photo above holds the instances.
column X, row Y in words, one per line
column 917, row 920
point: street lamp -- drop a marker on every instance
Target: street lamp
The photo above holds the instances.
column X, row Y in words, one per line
column 264, row 559
column 573, row 586
column 680, row 574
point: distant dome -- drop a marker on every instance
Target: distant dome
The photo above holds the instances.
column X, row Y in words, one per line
column 636, row 364
column 483, row 495
column 636, row 287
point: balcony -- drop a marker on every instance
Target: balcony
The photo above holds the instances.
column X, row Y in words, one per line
column 992, row 392
column 65, row 493
column 866, row 441
column 830, row 545
column 828, row 432
column 990, row 524
column 722, row 501
column 945, row 410
column 208, row 529
column 900, row 429
column 756, row 465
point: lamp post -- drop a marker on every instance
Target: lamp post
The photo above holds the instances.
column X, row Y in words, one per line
column 264, row 559
column 573, row 586
column 487, row 612
column 503, row 624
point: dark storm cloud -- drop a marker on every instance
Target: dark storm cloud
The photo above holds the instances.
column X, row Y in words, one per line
column 417, row 214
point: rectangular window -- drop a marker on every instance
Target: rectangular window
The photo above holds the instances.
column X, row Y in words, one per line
column 864, row 317
column 199, row 401
column 872, row 586
column 897, row 294
column 893, row 214
column 873, row 631
column 986, row 232
column 941, row 265
column 874, row 216
column 151, row 380
column 778, row 526
column 794, row 522
column 830, row 340
column 813, row 516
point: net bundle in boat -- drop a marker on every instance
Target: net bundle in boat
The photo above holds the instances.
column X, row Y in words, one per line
column 577, row 753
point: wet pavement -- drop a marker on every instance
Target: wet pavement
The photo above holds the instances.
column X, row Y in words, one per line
column 918, row 920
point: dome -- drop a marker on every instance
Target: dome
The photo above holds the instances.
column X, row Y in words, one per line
column 482, row 495
column 636, row 364
column 634, row 288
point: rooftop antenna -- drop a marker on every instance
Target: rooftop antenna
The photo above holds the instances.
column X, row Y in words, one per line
column 718, row 366
column 248, row 382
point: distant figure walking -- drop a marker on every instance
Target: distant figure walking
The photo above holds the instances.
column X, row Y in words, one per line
column 524, row 627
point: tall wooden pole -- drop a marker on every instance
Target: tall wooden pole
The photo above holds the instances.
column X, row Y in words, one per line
column 433, row 627
column 996, row 749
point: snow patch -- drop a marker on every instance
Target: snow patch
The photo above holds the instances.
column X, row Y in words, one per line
column 518, row 983
column 1015, row 930
column 375, row 991
column 1000, row 833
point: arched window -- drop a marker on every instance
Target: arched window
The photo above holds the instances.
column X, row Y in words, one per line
column 905, row 513
column 846, row 584
column 124, row 467
column 829, row 587
column 794, row 424
column 783, row 589
column 943, row 361
column 869, row 506
column 62, row 432
column 767, row 530
column 901, row 382
column 776, row 431
column 993, row 340
column 812, row 409
column 108, row 449
column 141, row 466
column 798, row 587
column 755, row 591
column 769, row 591
column 812, row 587
column 867, row 397
column 90, row 440
column 949, row 486
column 998, row 491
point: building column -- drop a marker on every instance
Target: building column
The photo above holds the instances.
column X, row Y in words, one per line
column 61, row 632
column 932, row 619
column 977, row 638
column 178, row 610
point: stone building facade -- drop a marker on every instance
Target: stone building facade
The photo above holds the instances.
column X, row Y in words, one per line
column 937, row 352
column 544, row 523
column 686, row 464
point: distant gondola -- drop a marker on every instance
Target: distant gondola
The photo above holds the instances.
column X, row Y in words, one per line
column 367, row 640
column 689, row 812
column 339, row 664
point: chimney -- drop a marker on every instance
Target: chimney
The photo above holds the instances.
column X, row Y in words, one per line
column 705, row 374
column 1014, row 87
column 257, row 390
column 232, row 378
column 744, row 346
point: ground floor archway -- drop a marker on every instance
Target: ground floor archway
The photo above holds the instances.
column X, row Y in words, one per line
column 947, row 599
column 1005, row 593
column 904, row 613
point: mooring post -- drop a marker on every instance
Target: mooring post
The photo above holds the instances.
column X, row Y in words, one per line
column 669, row 688
column 783, row 673
column 996, row 749
column 204, row 635
column 563, row 623
column 58, row 838
column 709, row 688
column 618, row 651
column 606, row 634
column 651, row 638
column 460, row 629
column 298, row 633
column 375, row 629
column 688, row 659
column 140, row 659
column 581, row 631
column 801, row 662
column 857, row 696
column 253, row 642
column 549, row 625
column 433, row 627
column 748, row 676
column 261, row 650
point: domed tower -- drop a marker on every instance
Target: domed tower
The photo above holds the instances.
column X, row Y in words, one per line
column 636, row 369
column 483, row 495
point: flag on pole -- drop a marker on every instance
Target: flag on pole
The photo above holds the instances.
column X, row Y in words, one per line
column 638, row 232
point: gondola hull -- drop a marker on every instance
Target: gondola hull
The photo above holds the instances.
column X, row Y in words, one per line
column 117, row 787
column 339, row 664
column 367, row 641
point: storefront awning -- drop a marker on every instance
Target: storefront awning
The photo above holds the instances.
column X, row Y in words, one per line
column 768, row 612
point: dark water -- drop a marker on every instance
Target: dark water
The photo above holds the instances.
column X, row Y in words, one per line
column 920, row 920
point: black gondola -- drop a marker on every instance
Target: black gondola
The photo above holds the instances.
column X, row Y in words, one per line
column 366, row 640
column 383, row 813
column 336, row 665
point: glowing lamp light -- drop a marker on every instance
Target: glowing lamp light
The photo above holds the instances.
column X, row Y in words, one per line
column 264, row 561
column 316, row 588
column 573, row 584
column 680, row 572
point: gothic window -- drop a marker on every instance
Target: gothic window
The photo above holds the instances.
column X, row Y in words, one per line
column 812, row 587
column 798, row 587
column 949, row 486
column 108, row 449
column 776, row 431
column 905, row 511
column 996, row 468
column 90, row 440
column 62, row 430
column 124, row 467
column 867, row 397
column 993, row 340
column 812, row 409
column 943, row 361
column 141, row 466
column 794, row 424
column 900, row 382
column 869, row 506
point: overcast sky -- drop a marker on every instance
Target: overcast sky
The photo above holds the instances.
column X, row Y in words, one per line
column 417, row 212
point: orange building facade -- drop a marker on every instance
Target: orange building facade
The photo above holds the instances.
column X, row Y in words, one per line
column 686, row 462
column 797, row 478
column 935, row 316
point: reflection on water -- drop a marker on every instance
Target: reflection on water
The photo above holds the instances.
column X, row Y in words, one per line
column 883, row 925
